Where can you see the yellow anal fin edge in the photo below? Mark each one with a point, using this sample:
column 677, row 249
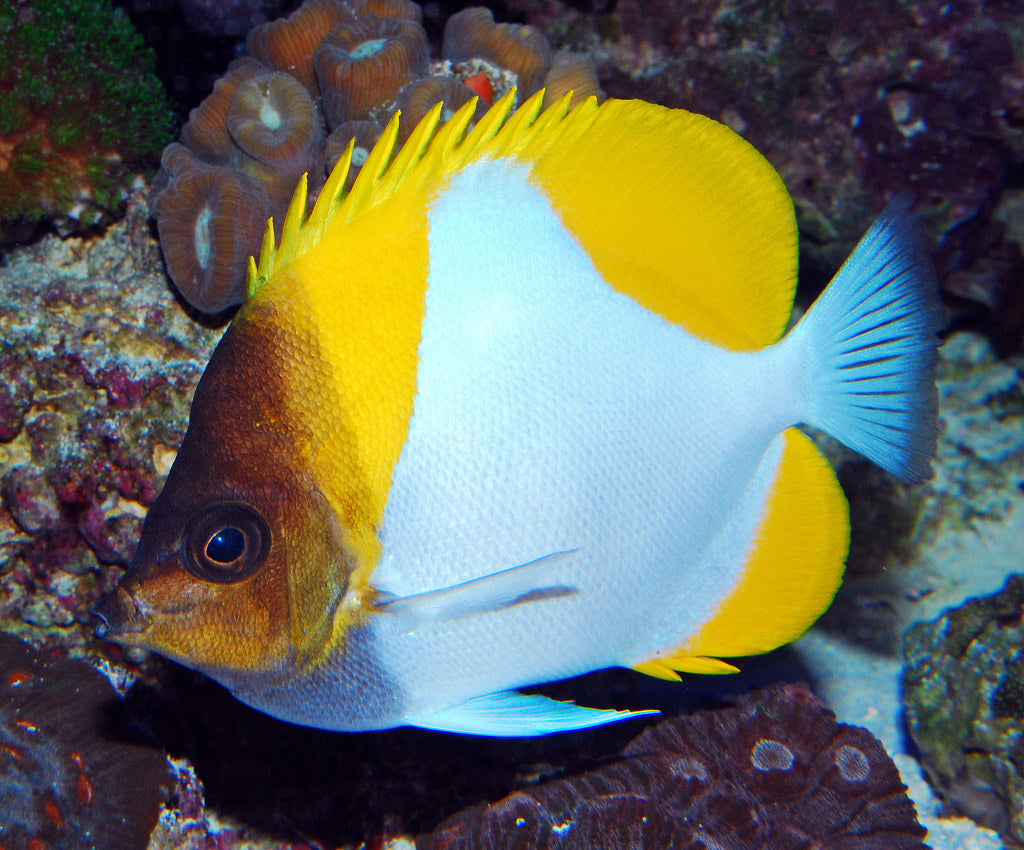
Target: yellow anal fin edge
column 794, row 569
column 669, row 667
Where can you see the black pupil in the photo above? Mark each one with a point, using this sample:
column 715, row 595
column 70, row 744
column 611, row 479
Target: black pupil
column 226, row 545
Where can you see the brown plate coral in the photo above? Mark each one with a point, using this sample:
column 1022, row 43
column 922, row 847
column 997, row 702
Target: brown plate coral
column 330, row 72
column 775, row 770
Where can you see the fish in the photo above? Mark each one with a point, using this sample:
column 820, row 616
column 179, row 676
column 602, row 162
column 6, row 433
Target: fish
column 526, row 403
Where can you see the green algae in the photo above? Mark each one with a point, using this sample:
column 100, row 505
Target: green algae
column 80, row 104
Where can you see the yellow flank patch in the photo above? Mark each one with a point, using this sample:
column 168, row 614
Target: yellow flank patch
column 794, row 570
column 357, row 292
column 365, row 286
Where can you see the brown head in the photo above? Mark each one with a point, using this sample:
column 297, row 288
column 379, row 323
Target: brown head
column 241, row 566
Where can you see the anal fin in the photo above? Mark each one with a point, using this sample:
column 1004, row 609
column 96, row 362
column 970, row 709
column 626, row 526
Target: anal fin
column 669, row 667
column 510, row 714
column 791, row 574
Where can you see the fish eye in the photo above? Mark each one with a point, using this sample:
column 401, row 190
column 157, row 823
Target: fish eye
column 226, row 542
column 226, row 545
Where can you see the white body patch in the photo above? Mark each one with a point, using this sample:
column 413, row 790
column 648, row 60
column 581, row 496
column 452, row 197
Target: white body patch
column 554, row 413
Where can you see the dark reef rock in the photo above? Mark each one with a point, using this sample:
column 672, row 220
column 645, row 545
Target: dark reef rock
column 964, row 700
column 67, row 780
column 776, row 770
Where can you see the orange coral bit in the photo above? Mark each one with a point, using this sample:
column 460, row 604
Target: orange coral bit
column 481, row 84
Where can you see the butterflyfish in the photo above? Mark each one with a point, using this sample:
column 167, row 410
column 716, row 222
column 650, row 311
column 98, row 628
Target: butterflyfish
column 521, row 405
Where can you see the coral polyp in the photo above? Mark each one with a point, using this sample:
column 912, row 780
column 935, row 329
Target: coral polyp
column 80, row 108
column 330, row 72
column 362, row 65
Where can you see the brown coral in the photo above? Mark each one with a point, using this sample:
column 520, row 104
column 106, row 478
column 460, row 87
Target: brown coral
column 272, row 121
column 407, row 10
column 362, row 65
column 776, row 770
column 420, row 96
column 208, row 218
column 206, row 131
column 365, row 133
column 330, row 65
column 288, row 44
column 520, row 48
column 571, row 72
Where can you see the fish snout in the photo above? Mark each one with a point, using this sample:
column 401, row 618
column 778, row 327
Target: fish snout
column 118, row 613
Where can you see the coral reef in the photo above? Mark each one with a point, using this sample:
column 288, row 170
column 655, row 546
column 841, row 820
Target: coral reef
column 66, row 782
column 964, row 700
column 929, row 98
column 97, row 367
column 774, row 770
column 330, row 72
column 80, row 112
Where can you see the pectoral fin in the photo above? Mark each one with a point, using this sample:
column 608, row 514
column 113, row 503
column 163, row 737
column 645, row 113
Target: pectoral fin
column 520, row 585
column 510, row 714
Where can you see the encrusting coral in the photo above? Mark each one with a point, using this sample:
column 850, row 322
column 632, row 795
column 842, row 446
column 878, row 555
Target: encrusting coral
column 329, row 73
column 80, row 112
column 776, row 770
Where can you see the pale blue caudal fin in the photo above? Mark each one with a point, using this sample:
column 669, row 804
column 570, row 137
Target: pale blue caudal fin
column 510, row 714
column 869, row 343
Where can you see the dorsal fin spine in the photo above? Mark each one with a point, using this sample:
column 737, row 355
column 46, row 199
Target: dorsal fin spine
column 432, row 150
column 258, row 276
column 331, row 193
column 369, row 175
column 292, row 221
column 412, row 151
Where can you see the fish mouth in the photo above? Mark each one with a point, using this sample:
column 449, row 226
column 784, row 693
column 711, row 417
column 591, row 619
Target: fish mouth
column 118, row 613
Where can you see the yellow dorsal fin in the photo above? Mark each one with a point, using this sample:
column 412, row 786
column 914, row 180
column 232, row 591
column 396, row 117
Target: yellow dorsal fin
column 791, row 576
column 674, row 209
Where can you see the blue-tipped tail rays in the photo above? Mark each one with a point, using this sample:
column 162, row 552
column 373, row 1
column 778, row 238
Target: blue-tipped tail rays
column 870, row 342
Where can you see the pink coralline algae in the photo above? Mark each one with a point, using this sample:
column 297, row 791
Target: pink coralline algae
column 775, row 770
column 66, row 781
column 97, row 367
